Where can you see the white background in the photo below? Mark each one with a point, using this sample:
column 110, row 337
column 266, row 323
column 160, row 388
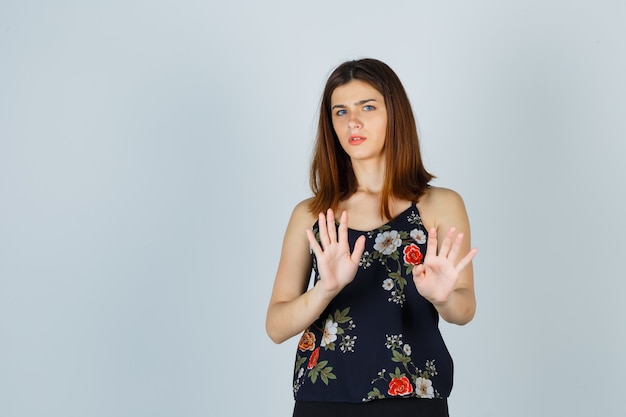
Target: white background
column 151, row 153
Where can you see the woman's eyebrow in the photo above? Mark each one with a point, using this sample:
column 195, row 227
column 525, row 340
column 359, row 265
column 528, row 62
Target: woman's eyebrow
column 358, row 103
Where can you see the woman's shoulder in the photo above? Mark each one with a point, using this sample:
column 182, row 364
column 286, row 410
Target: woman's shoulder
column 441, row 206
column 440, row 196
column 302, row 213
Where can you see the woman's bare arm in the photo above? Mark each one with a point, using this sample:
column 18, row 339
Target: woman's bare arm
column 446, row 278
column 292, row 308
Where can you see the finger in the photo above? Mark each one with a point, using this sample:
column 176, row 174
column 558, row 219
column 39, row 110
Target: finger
column 331, row 226
column 323, row 230
column 418, row 270
column 444, row 250
column 419, row 274
column 343, row 228
column 466, row 259
column 456, row 247
column 359, row 248
column 431, row 244
column 315, row 246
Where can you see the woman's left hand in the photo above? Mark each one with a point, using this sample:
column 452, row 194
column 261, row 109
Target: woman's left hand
column 437, row 277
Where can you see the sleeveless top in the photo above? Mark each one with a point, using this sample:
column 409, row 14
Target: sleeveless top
column 378, row 338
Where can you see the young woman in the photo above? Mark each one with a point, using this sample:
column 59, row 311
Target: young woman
column 389, row 255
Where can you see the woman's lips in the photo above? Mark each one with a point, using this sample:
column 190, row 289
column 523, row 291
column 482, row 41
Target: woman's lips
column 356, row 139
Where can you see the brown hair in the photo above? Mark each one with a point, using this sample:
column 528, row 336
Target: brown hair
column 332, row 178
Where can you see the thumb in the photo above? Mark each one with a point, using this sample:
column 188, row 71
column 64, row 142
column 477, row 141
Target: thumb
column 359, row 248
column 419, row 273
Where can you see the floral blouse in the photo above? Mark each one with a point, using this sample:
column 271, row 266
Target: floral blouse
column 378, row 338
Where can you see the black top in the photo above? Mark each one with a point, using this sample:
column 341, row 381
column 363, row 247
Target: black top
column 378, row 338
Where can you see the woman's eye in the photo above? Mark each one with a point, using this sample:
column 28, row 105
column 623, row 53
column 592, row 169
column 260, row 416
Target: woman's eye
column 340, row 112
column 369, row 107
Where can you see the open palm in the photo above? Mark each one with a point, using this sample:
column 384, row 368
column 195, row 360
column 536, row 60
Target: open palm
column 437, row 277
column 336, row 265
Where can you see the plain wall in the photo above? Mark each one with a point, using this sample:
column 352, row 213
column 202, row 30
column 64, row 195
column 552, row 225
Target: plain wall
column 151, row 153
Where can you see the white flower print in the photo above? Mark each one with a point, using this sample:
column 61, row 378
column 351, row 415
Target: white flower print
column 387, row 242
column 413, row 218
column 397, row 298
column 393, row 341
column 388, row 284
column 407, row 350
column 330, row 333
column 418, row 235
column 424, row 388
column 347, row 344
column 365, row 261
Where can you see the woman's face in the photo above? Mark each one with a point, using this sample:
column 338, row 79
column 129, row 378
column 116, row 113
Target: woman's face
column 359, row 118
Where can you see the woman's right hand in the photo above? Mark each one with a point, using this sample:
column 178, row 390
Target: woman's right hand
column 336, row 265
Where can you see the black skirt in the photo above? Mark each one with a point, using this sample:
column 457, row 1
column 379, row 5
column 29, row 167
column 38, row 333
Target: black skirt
column 397, row 407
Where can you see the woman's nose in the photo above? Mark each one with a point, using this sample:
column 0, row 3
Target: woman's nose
column 354, row 123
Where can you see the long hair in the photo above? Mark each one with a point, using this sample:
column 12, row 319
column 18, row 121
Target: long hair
column 332, row 178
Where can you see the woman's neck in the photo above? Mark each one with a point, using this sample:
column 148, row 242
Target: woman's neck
column 370, row 176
